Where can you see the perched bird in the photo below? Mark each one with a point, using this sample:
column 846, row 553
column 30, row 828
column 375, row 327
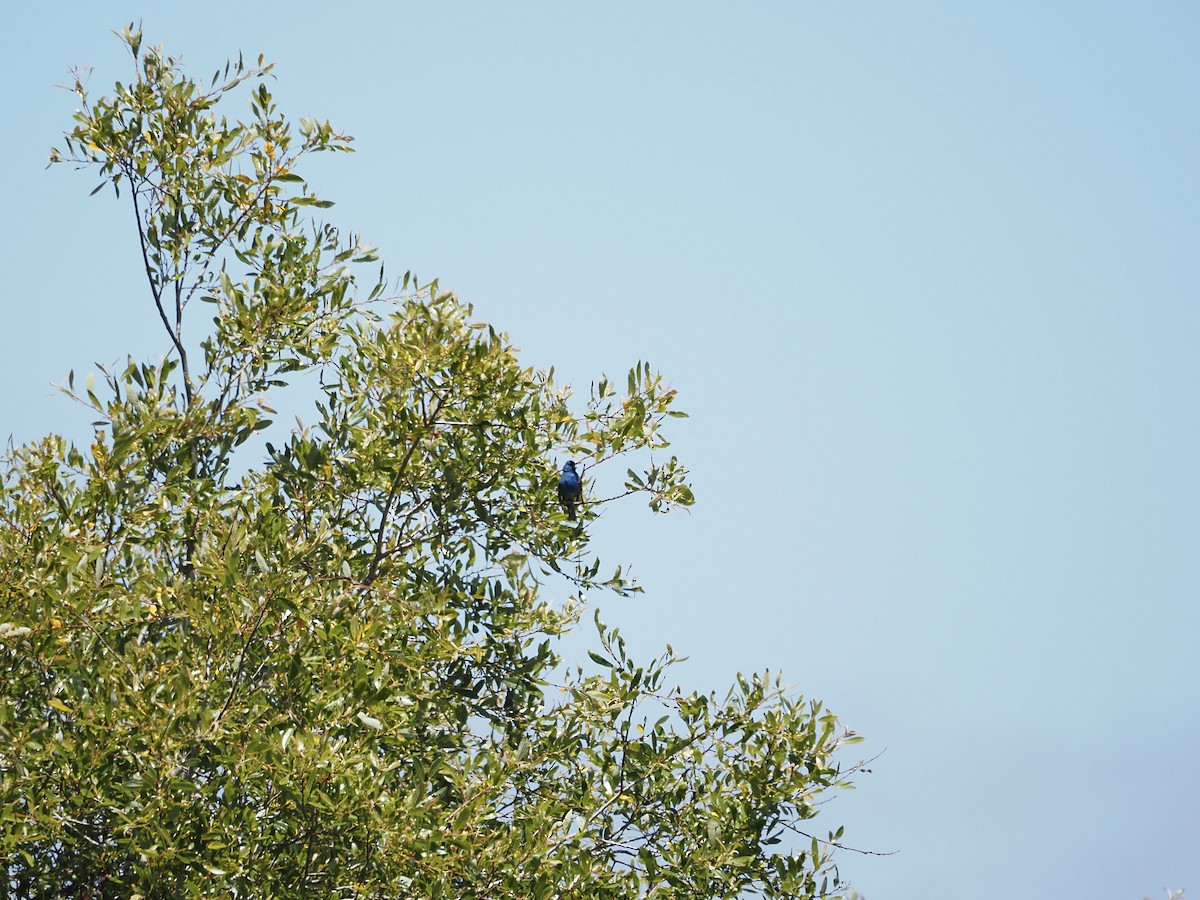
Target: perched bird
column 570, row 489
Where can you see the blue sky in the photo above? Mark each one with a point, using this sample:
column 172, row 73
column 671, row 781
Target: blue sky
column 927, row 279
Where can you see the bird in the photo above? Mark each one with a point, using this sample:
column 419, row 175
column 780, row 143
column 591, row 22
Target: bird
column 570, row 489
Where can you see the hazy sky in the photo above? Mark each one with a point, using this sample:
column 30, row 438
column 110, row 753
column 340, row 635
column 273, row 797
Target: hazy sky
column 927, row 278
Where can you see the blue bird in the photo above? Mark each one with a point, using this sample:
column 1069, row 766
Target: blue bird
column 570, row 489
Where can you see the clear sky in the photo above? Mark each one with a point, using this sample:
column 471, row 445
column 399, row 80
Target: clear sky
column 927, row 278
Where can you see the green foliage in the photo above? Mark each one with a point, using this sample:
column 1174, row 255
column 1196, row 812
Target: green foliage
column 334, row 674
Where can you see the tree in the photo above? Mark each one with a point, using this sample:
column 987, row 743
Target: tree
column 332, row 672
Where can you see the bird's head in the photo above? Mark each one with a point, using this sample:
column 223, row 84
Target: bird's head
column 570, row 466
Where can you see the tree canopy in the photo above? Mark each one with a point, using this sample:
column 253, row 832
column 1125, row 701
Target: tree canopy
column 330, row 667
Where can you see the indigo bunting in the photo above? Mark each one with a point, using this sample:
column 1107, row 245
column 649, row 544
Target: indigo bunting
column 570, row 489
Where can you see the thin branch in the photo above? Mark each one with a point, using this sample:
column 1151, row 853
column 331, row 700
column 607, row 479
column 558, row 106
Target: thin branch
column 813, row 837
column 156, row 292
column 237, row 675
column 373, row 569
column 489, row 423
column 628, row 493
